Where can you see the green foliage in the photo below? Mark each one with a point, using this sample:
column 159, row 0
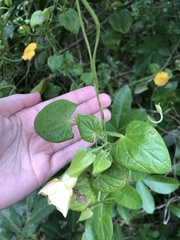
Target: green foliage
column 118, row 189
column 57, row 127
column 70, row 21
column 88, row 126
column 23, row 219
column 142, row 149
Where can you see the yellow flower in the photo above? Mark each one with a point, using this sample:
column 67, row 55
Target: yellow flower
column 29, row 51
column 161, row 78
column 59, row 193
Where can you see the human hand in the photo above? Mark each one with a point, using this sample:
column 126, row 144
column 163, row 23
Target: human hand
column 26, row 160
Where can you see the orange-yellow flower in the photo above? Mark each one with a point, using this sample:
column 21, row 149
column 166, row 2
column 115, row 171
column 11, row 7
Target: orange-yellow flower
column 29, row 51
column 161, row 78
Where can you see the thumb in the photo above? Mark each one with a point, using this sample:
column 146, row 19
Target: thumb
column 15, row 103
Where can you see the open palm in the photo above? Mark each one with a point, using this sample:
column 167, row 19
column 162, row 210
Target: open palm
column 26, row 160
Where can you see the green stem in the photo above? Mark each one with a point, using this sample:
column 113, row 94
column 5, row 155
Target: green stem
column 92, row 56
column 115, row 134
column 83, row 29
column 28, row 68
column 171, row 55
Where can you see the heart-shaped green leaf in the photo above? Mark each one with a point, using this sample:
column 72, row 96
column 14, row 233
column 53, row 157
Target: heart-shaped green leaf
column 70, row 21
column 142, row 149
column 111, row 180
column 55, row 62
column 88, row 126
column 53, row 122
column 121, row 22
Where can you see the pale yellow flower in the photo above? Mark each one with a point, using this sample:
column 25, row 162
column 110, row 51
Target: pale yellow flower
column 29, row 51
column 161, row 78
column 59, row 193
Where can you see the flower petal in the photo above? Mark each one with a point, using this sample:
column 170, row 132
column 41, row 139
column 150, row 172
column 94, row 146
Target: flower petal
column 161, row 78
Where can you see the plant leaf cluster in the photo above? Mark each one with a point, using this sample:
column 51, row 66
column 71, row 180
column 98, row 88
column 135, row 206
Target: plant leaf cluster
column 138, row 39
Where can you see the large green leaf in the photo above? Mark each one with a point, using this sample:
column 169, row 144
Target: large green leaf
column 10, row 220
column 70, row 21
column 161, row 184
column 88, row 126
column 111, row 180
column 40, row 211
column 99, row 226
column 53, row 122
column 5, row 235
column 146, row 196
column 132, row 115
column 121, row 22
column 142, row 149
column 83, row 195
column 130, row 198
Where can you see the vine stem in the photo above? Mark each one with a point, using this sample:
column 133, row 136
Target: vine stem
column 92, row 57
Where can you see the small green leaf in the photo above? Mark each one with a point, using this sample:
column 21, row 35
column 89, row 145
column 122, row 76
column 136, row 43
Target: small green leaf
column 121, row 22
column 161, row 184
column 52, row 91
column 37, row 18
column 175, row 209
column 8, row 2
column 142, row 63
column 83, row 195
column 153, row 68
column 111, row 39
column 55, row 62
column 111, row 180
column 8, row 31
column 130, row 198
column 88, row 126
column 87, row 213
column 81, row 160
column 146, row 196
column 125, row 213
column 122, row 104
column 70, row 21
column 40, row 87
column 140, row 88
column 142, row 149
column 102, row 162
column 46, row 12
column 87, row 78
column 53, row 122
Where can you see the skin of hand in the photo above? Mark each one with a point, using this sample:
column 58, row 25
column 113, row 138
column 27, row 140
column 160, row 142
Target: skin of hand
column 26, row 160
